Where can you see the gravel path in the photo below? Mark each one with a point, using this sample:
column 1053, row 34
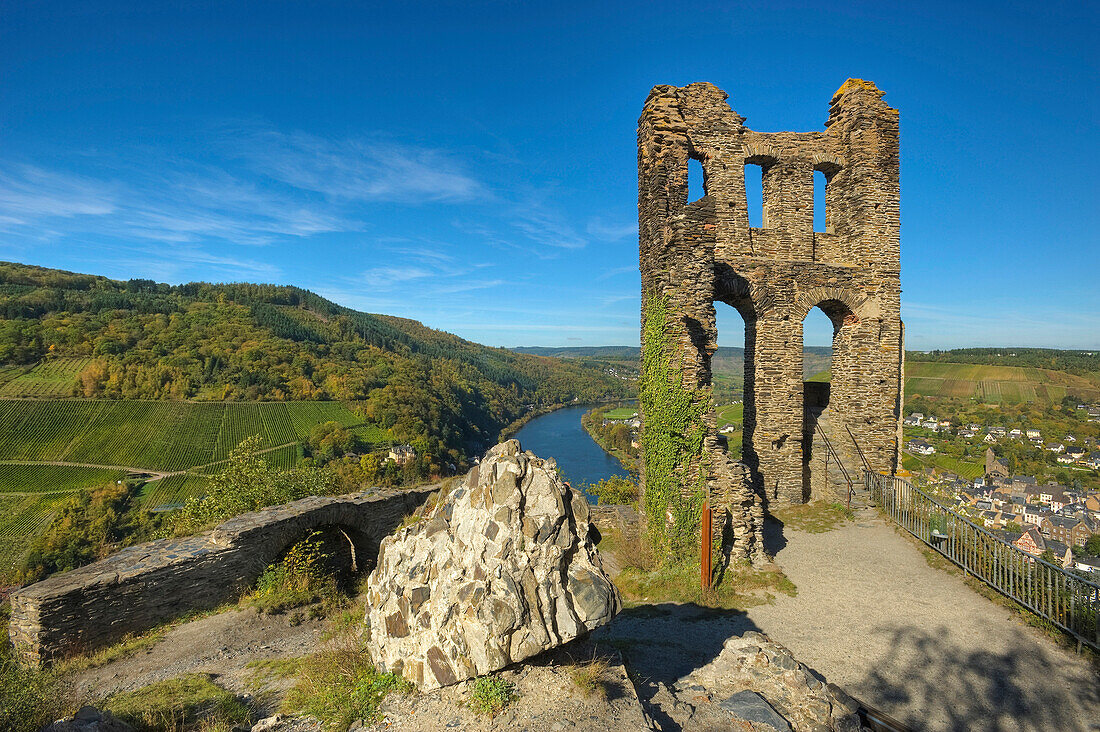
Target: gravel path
column 874, row 618
column 221, row 644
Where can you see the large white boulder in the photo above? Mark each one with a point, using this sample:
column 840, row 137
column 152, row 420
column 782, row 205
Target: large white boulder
column 500, row 569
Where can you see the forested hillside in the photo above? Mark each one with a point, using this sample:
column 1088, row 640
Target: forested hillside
column 141, row 339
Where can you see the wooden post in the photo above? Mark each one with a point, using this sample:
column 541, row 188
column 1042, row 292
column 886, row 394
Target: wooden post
column 705, row 530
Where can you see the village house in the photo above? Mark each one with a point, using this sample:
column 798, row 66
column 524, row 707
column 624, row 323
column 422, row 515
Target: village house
column 1087, row 564
column 1015, row 434
column 997, row 431
column 931, row 424
column 1071, row 531
column 1033, row 435
column 1093, row 461
column 920, row 447
column 402, row 454
column 1033, row 515
column 1065, row 459
column 1057, row 447
column 1034, row 543
column 1075, row 453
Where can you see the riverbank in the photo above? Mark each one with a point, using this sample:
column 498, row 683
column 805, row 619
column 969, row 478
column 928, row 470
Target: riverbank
column 626, row 454
column 560, row 435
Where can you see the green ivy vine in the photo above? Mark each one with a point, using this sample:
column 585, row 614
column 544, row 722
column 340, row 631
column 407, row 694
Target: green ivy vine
column 672, row 443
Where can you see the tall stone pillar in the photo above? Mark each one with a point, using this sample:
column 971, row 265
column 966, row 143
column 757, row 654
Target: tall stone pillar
column 777, row 406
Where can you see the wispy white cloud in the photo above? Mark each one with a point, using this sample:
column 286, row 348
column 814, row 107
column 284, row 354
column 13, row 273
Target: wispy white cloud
column 615, row 271
column 598, row 228
column 386, row 277
column 28, row 193
column 545, row 225
column 936, row 326
column 467, row 286
column 355, row 169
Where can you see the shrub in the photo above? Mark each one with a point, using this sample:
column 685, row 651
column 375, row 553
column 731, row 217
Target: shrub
column 249, row 483
column 29, row 698
column 614, row 491
column 491, row 694
column 88, row 527
column 299, row 579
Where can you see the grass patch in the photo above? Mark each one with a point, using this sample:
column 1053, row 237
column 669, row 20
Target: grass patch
column 736, row 587
column 815, row 518
column 590, row 677
column 491, row 694
column 191, row 701
column 340, row 684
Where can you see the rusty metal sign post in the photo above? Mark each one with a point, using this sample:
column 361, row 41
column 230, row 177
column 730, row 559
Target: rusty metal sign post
column 705, row 529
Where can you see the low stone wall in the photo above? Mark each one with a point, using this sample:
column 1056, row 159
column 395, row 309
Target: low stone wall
column 145, row 585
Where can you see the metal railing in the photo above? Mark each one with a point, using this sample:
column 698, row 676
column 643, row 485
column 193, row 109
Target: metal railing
column 840, row 464
column 1062, row 597
column 859, row 451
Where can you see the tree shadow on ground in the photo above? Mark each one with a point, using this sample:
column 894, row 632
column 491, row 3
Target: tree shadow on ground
column 967, row 689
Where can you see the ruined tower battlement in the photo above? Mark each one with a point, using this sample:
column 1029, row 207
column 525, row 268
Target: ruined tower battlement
column 699, row 253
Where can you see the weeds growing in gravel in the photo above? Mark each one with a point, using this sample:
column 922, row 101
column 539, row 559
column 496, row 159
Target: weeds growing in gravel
column 188, row 702
column 589, row 676
column 736, row 587
column 815, row 518
column 491, row 694
column 340, row 684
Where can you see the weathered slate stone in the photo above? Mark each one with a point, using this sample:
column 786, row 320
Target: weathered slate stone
column 141, row 586
column 513, row 573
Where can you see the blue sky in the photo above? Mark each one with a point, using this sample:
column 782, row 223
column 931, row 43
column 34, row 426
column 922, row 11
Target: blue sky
column 472, row 164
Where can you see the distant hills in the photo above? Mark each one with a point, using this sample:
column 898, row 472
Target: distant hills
column 140, row 339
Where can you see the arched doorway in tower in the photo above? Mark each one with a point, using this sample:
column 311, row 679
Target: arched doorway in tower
column 827, row 375
column 730, row 379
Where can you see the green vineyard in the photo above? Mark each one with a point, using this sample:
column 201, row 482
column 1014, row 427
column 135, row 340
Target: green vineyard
column 173, row 491
column 995, row 384
column 16, row 478
column 52, row 378
column 103, row 441
column 24, row 516
column 159, row 436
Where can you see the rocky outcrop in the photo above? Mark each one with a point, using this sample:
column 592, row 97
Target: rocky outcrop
column 757, row 680
column 498, row 570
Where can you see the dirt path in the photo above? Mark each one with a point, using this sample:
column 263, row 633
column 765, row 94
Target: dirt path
column 123, row 468
column 917, row 642
column 221, row 644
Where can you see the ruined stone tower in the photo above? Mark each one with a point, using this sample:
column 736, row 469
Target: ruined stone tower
column 696, row 254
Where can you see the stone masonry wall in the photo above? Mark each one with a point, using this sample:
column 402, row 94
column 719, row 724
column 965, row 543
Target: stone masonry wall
column 144, row 585
column 704, row 252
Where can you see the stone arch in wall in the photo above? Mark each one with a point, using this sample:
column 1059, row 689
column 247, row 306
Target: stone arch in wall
column 346, row 551
column 705, row 252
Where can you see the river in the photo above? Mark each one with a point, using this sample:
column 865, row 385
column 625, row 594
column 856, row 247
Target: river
column 560, row 435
